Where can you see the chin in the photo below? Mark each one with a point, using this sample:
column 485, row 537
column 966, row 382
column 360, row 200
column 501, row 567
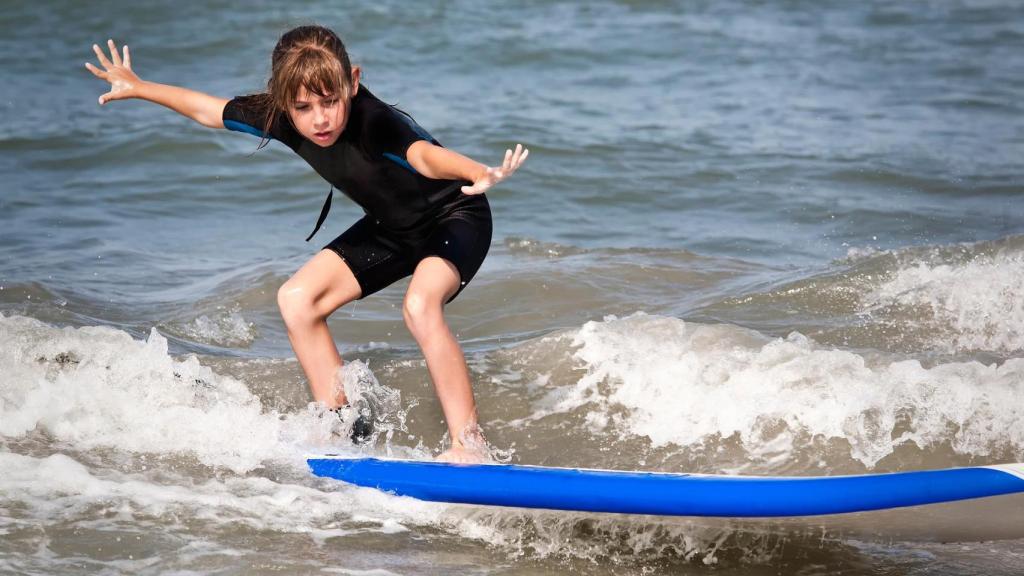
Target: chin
column 323, row 143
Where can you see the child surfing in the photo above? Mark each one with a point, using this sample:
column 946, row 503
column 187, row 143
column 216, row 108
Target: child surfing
column 426, row 214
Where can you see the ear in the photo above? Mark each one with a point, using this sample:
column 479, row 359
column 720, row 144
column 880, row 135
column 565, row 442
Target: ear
column 356, row 72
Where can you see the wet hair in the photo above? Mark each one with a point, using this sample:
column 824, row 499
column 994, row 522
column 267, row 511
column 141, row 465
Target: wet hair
column 311, row 57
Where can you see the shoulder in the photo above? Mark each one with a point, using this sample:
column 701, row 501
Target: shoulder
column 370, row 111
column 252, row 114
column 384, row 125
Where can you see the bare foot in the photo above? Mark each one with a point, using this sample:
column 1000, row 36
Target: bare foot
column 460, row 455
column 470, row 447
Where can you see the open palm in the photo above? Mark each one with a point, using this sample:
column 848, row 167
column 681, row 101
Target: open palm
column 495, row 174
column 117, row 71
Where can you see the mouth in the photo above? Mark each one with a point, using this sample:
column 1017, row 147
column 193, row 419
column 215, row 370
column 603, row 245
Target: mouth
column 323, row 136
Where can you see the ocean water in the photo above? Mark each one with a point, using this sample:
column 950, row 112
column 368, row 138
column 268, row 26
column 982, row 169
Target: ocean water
column 751, row 237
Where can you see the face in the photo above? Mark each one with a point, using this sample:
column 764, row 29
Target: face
column 321, row 119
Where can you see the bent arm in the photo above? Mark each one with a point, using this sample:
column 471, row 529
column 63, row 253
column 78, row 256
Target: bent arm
column 434, row 161
column 440, row 163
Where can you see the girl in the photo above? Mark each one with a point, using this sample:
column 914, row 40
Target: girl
column 426, row 214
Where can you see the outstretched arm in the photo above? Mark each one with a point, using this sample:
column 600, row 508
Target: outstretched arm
column 436, row 162
column 203, row 108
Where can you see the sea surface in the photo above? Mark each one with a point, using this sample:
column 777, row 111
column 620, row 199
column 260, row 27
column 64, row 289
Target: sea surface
column 780, row 237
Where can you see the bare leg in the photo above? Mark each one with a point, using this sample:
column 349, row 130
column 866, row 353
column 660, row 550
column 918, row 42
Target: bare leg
column 433, row 282
column 321, row 286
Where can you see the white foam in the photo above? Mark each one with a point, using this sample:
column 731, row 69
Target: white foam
column 228, row 328
column 96, row 387
column 353, row 572
column 973, row 305
column 59, row 486
column 684, row 383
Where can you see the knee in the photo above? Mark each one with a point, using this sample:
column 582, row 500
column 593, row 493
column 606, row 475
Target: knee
column 296, row 306
column 421, row 312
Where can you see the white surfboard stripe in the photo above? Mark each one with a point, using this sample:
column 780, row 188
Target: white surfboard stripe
column 1015, row 469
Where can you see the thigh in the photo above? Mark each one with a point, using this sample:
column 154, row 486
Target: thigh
column 325, row 281
column 375, row 262
column 435, row 280
column 463, row 239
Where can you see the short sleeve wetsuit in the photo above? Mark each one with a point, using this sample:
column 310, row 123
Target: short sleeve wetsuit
column 408, row 216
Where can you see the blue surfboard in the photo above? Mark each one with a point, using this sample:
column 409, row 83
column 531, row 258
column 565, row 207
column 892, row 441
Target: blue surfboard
column 586, row 490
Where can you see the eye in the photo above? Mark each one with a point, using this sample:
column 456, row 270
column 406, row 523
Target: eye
column 330, row 102
column 301, row 107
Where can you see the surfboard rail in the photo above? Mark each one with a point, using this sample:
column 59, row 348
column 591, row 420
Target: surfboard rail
column 669, row 494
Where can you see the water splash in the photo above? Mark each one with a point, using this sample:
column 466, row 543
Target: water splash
column 975, row 304
column 684, row 383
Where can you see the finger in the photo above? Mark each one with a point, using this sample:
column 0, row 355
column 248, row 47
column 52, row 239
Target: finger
column 112, row 95
column 96, row 71
column 127, row 58
column 113, row 52
column 508, row 159
column 482, row 185
column 516, row 155
column 101, row 56
column 522, row 158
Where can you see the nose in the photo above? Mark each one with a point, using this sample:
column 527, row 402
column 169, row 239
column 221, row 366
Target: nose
column 320, row 119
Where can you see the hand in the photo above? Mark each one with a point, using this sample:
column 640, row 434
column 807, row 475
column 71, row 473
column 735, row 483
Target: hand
column 492, row 175
column 123, row 82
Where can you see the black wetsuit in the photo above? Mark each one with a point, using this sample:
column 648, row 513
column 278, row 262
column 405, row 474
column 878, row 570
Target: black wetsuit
column 408, row 216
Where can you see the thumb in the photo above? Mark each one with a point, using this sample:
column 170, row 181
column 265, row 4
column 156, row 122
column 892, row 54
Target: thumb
column 112, row 95
column 474, row 189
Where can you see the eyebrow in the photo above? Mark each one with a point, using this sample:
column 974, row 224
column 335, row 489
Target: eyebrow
column 324, row 97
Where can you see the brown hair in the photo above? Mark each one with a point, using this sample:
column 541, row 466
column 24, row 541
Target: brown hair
column 312, row 57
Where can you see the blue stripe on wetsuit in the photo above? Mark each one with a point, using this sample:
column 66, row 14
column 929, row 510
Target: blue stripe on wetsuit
column 415, row 128
column 400, row 161
column 243, row 127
